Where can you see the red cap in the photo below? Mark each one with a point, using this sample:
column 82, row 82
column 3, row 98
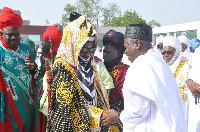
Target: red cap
column 8, row 18
column 56, row 35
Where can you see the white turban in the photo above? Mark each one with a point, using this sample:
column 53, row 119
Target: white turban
column 39, row 50
column 172, row 42
column 159, row 39
column 184, row 39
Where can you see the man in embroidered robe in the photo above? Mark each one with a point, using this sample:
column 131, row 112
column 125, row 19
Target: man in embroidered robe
column 17, row 66
column 78, row 96
column 179, row 66
column 113, row 52
column 151, row 103
column 40, row 89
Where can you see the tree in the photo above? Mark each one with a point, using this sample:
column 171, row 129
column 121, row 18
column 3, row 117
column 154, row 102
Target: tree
column 113, row 10
column 129, row 17
column 153, row 24
column 92, row 9
column 65, row 17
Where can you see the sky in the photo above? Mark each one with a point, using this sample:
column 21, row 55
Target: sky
column 166, row 12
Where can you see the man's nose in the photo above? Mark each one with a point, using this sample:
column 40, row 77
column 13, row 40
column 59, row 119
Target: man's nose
column 87, row 54
column 13, row 37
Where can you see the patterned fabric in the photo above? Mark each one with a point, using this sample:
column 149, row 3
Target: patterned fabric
column 69, row 111
column 181, row 75
column 40, row 118
column 85, row 78
column 118, row 74
column 17, row 105
column 116, row 95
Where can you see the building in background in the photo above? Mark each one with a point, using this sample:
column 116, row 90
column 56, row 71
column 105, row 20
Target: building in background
column 192, row 30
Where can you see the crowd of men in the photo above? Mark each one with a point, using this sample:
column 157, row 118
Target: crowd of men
column 68, row 86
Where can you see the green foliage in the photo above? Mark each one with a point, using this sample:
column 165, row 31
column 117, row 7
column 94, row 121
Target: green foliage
column 109, row 16
column 109, row 13
column 129, row 17
column 153, row 24
column 88, row 8
column 93, row 10
column 65, row 17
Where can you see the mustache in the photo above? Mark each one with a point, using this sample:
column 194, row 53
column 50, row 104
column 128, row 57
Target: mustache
column 168, row 58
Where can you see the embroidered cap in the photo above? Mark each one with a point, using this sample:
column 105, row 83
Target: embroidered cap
column 139, row 31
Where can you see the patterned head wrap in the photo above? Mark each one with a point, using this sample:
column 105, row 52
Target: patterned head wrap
column 75, row 35
column 194, row 43
column 56, row 33
column 114, row 39
column 139, row 31
column 8, row 18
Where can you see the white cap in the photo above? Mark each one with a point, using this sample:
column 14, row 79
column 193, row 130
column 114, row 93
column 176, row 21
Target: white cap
column 184, row 39
column 172, row 42
column 159, row 39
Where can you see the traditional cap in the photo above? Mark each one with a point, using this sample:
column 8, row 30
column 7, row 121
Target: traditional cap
column 159, row 39
column 194, row 43
column 73, row 16
column 172, row 42
column 184, row 39
column 114, row 39
column 8, row 18
column 56, row 33
column 30, row 43
column 139, row 31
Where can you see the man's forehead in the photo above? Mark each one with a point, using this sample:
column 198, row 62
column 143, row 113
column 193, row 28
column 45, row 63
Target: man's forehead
column 168, row 48
column 89, row 43
column 11, row 30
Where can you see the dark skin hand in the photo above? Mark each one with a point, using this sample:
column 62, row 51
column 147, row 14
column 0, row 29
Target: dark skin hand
column 30, row 64
column 194, row 87
column 109, row 117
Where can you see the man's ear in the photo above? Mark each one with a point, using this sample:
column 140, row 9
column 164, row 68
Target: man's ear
column 137, row 44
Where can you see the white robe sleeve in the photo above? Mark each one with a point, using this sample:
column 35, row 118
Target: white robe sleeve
column 137, row 110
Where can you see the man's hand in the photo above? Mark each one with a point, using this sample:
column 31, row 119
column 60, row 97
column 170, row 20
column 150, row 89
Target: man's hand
column 194, row 87
column 109, row 117
column 30, row 64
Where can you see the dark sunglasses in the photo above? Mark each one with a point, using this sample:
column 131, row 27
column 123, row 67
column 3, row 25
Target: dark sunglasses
column 168, row 52
column 159, row 46
column 85, row 50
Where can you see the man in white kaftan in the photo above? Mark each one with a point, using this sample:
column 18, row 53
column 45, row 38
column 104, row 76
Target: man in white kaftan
column 185, row 43
column 151, row 103
column 194, row 86
column 179, row 66
column 159, row 44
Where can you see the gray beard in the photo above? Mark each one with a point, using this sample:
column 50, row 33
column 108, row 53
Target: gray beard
column 171, row 62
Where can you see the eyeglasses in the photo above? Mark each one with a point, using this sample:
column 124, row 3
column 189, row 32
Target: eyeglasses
column 168, row 52
column 159, row 46
column 85, row 50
